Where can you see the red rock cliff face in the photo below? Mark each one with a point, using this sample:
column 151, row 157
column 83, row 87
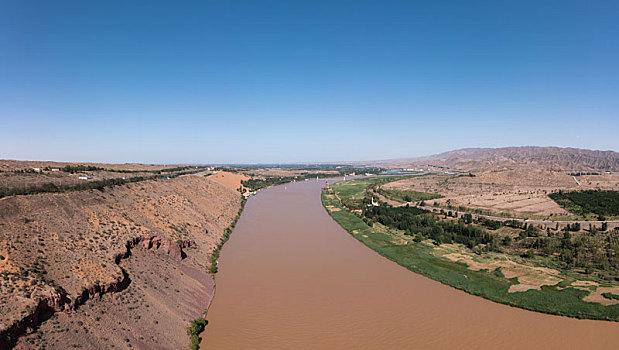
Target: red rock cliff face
column 61, row 250
column 166, row 246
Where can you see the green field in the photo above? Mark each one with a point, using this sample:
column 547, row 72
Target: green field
column 420, row 255
column 407, row 196
column 587, row 203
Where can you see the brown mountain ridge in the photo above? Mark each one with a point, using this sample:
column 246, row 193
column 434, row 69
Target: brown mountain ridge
column 547, row 158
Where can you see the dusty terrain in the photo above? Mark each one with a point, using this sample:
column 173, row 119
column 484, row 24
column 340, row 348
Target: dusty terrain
column 521, row 192
column 228, row 179
column 123, row 267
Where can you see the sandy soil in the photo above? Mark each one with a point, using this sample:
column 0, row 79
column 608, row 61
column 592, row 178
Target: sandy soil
column 230, row 180
column 529, row 277
column 332, row 208
column 597, row 297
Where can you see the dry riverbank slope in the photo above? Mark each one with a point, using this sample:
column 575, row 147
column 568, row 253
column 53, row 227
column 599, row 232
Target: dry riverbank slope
column 123, row 267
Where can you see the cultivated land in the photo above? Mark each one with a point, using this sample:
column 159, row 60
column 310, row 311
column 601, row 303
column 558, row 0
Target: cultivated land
column 511, row 265
column 36, row 177
column 121, row 266
column 521, row 192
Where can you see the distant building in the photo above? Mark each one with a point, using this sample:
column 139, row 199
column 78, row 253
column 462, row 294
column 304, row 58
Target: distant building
column 247, row 194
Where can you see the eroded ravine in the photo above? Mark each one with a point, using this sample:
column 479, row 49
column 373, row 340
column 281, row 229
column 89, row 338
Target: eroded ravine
column 290, row 277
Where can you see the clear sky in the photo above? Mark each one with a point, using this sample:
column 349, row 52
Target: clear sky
column 227, row 81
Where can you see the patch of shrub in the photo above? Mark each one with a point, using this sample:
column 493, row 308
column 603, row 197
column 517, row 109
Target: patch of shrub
column 610, row 296
column 194, row 330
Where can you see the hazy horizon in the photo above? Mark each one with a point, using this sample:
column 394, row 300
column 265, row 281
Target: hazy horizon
column 242, row 82
column 342, row 161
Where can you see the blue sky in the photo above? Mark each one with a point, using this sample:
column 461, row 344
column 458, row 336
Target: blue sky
column 303, row 81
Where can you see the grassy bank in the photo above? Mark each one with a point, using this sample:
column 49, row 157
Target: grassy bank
column 420, row 254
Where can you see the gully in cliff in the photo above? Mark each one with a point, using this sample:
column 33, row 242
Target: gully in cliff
column 60, row 301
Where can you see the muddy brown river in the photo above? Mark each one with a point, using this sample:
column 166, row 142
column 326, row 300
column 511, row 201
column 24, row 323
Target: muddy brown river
column 291, row 278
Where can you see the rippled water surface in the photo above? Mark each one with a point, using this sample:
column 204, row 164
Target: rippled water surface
column 291, row 278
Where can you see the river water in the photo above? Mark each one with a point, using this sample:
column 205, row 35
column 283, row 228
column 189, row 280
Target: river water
column 291, row 278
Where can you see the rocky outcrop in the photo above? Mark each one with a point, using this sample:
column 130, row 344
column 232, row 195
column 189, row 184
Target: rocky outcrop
column 44, row 310
column 60, row 301
column 62, row 249
column 164, row 245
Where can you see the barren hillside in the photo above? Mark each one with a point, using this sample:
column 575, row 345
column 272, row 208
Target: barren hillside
column 122, row 266
column 548, row 158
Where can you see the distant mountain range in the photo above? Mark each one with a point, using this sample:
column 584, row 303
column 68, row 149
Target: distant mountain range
column 548, row 158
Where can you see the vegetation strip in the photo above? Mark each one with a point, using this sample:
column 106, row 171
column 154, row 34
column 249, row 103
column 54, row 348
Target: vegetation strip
column 197, row 326
column 85, row 186
column 256, row 183
column 226, row 236
column 413, row 238
column 194, row 330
